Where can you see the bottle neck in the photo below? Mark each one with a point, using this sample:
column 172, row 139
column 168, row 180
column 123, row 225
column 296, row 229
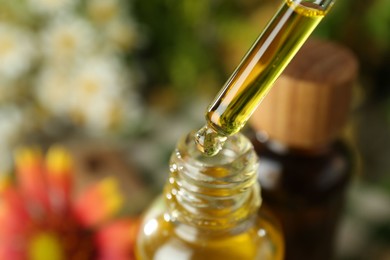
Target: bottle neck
column 213, row 193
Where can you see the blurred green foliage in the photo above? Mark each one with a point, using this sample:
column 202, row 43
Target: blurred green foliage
column 192, row 45
column 189, row 43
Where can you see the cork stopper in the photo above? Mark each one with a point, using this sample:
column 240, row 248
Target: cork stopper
column 309, row 103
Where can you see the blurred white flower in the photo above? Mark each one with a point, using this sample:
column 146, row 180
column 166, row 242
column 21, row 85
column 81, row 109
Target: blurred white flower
column 74, row 65
column 95, row 94
column 16, row 51
column 98, row 92
column 102, row 11
column 51, row 6
column 68, row 38
column 112, row 17
column 122, row 33
column 52, row 90
column 96, row 76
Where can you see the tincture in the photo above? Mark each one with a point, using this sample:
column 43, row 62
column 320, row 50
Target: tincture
column 257, row 72
column 210, row 208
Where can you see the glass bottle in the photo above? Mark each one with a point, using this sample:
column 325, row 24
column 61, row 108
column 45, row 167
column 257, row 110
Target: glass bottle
column 305, row 165
column 210, row 208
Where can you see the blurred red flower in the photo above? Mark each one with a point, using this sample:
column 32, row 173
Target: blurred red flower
column 41, row 220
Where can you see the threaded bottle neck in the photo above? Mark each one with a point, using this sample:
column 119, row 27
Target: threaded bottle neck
column 213, row 193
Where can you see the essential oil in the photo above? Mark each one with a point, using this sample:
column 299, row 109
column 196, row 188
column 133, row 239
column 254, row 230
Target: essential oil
column 259, row 69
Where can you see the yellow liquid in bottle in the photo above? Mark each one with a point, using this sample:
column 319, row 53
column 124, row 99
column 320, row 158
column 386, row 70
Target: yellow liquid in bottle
column 261, row 66
column 262, row 242
column 210, row 209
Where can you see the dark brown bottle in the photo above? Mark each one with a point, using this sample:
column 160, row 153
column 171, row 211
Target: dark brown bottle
column 304, row 166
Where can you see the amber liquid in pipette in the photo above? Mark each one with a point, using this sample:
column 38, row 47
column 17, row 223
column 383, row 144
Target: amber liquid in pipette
column 261, row 66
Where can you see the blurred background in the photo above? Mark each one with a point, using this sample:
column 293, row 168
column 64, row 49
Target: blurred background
column 118, row 82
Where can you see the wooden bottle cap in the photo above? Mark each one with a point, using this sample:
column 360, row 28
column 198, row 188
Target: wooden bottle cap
column 309, row 103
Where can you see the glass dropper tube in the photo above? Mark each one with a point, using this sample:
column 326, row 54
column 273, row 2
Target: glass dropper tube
column 266, row 59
